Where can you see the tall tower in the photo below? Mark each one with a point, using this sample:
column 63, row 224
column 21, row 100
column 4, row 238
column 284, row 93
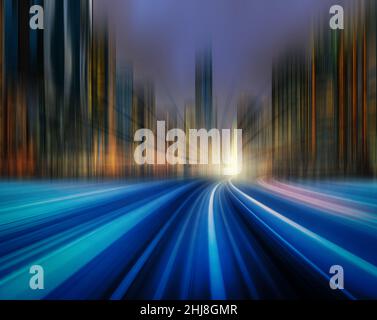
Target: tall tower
column 10, row 77
column 144, row 115
column 67, row 71
column 123, row 110
column 54, row 85
column 203, row 90
column 22, row 78
column 86, row 84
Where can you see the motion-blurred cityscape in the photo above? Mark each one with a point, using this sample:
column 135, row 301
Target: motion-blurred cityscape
column 73, row 95
column 68, row 109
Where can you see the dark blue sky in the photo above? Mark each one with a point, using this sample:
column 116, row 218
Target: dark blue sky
column 161, row 37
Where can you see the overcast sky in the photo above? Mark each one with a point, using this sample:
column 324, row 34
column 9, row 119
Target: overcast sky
column 160, row 38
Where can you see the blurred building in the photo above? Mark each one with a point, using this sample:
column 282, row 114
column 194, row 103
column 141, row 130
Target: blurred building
column 254, row 118
column 371, row 84
column 56, row 117
column 205, row 112
column 67, row 85
column 22, row 88
column 143, row 117
column 68, row 109
column 323, row 101
column 103, row 115
column 203, row 90
column 86, row 86
column 124, row 104
column 291, row 117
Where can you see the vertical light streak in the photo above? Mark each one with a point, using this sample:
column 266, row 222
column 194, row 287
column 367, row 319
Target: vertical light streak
column 341, row 98
column 364, row 134
column 314, row 103
column 216, row 277
column 354, row 93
